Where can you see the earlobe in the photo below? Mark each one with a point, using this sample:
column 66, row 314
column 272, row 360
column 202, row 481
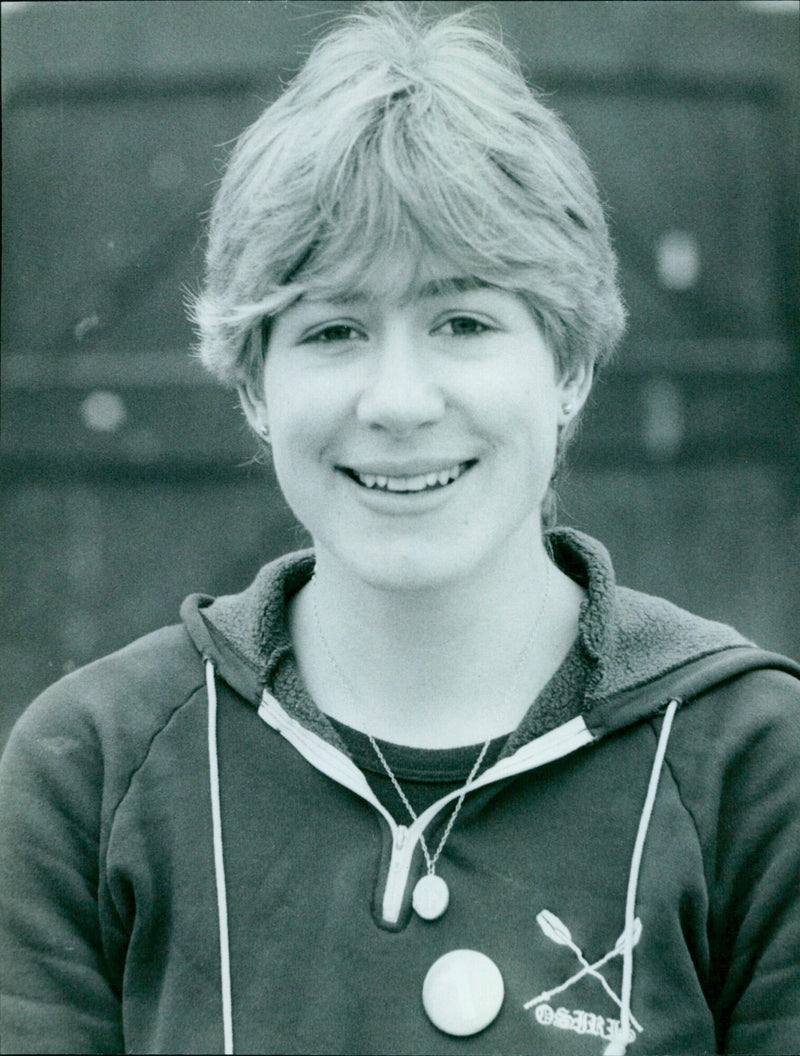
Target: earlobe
column 255, row 410
column 575, row 387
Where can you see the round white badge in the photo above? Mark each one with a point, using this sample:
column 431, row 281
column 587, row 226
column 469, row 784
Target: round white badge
column 463, row 992
column 431, row 896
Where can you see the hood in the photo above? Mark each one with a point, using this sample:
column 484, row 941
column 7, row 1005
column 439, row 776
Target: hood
column 641, row 648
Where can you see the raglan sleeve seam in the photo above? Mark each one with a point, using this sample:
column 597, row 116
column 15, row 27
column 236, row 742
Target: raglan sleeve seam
column 682, row 799
column 156, row 733
column 106, row 839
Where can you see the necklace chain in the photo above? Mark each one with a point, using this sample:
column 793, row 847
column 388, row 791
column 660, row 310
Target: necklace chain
column 430, row 861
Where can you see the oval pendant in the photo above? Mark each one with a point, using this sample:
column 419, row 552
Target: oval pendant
column 431, row 896
column 463, row 992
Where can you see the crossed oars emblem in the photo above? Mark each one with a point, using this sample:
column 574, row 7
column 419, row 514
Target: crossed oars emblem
column 557, row 931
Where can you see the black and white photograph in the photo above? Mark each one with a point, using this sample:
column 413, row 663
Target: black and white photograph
column 401, row 498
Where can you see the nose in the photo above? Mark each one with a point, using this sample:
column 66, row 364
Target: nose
column 400, row 393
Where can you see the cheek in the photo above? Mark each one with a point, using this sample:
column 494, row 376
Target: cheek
column 525, row 411
column 532, row 426
column 306, row 424
column 292, row 399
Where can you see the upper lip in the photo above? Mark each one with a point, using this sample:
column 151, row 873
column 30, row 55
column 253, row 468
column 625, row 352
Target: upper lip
column 413, row 468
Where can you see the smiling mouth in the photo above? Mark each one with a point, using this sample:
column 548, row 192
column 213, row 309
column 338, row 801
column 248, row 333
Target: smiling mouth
column 410, row 485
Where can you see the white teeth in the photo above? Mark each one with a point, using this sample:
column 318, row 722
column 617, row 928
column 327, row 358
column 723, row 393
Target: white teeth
column 410, row 484
column 406, row 484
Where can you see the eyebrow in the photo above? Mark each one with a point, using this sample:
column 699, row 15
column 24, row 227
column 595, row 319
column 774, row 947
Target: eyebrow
column 454, row 284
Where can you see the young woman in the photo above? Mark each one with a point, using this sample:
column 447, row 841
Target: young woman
column 438, row 785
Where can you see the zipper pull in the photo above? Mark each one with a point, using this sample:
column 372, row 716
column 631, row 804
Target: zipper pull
column 400, row 836
column 397, row 875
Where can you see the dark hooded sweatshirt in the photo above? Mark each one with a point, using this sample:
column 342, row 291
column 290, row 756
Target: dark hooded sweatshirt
column 192, row 859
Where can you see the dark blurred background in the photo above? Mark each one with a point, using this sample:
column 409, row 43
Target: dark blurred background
column 128, row 477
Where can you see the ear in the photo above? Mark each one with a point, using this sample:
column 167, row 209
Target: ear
column 255, row 409
column 574, row 388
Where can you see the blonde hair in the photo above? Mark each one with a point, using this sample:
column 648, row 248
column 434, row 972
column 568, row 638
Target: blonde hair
column 406, row 138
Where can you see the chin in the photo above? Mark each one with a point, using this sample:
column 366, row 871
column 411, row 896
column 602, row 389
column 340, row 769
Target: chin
column 415, row 567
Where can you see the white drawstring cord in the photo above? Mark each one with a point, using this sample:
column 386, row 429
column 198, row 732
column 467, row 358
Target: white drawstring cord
column 618, row 1047
column 219, row 864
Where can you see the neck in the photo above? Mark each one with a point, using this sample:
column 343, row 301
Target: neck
column 434, row 668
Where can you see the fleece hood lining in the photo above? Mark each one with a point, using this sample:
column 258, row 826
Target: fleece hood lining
column 628, row 639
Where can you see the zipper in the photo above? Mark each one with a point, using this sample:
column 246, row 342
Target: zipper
column 397, row 876
column 339, row 767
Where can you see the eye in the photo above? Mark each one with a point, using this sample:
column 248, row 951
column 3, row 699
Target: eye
column 333, row 332
column 462, row 326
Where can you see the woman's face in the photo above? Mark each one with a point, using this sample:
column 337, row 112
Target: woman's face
column 414, row 438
